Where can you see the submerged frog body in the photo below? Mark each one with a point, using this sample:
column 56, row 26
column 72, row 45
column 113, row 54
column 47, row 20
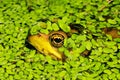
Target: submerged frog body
column 48, row 44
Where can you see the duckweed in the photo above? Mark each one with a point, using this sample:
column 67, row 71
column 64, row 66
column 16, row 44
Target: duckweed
column 19, row 17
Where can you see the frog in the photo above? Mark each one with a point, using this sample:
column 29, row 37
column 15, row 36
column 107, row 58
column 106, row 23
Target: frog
column 48, row 44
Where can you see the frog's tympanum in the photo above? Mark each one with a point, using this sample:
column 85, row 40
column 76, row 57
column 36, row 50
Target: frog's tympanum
column 49, row 44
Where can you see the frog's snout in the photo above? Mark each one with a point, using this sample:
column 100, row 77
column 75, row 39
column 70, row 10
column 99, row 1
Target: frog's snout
column 27, row 42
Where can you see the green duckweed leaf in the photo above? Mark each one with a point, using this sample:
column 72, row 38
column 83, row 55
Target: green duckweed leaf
column 80, row 38
column 107, row 71
column 42, row 25
column 118, row 76
column 112, row 21
column 107, row 50
column 44, row 31
column 49, row 26
column 88, row 45
column 63, row 26
column 55, row 27
column 117, row 39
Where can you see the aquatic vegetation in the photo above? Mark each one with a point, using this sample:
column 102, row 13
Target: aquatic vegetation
column 92, row 52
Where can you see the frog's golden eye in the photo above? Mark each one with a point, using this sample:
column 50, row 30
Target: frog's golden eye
column 57, row 39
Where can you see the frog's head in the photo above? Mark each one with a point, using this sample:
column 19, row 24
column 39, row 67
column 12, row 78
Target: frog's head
column 48, row 44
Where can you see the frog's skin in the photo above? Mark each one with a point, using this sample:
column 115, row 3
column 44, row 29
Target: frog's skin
column 45, row 44
column 113, row 32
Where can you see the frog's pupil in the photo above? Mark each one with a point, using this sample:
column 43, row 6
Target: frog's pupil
column 57, row 40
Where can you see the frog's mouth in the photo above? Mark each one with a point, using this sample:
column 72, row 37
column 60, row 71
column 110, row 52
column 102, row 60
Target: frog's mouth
column 49, row 44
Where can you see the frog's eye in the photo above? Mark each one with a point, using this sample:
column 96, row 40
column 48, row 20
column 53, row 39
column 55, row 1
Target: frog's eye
column 56, row 39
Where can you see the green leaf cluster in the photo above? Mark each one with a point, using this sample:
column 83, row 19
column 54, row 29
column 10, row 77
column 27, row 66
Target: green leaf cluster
column 18, row 17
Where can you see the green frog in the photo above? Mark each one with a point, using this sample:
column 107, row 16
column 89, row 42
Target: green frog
column 48, row 44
